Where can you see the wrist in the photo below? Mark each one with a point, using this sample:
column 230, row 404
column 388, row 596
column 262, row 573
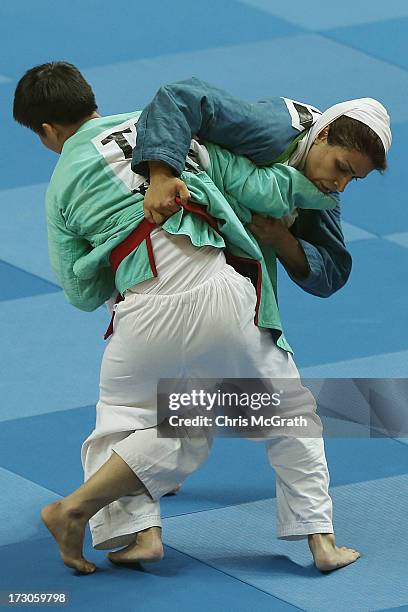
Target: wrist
column 159, row 170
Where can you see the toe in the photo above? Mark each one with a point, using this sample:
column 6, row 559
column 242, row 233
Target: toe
column 86, row 568
column 80, row 565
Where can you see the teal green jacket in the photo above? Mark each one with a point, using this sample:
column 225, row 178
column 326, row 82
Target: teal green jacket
column 94, row 201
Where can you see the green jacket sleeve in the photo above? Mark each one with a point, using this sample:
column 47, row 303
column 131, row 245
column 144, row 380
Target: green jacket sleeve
column 274, row 191
column 65, row 248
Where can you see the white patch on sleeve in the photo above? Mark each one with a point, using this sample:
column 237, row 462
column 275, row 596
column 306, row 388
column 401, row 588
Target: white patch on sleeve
column 303, row 115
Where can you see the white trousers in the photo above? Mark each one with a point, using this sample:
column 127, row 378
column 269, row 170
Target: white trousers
column 207, row 332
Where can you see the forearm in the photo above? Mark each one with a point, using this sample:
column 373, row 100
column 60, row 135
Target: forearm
column 65, row 252
column 166, row 126
column 193, row 107
column 322, row 240
column 287, row 248
column 317, row 269
column 292, row 256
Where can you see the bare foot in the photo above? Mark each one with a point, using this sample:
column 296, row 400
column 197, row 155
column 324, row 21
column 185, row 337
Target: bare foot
column 327, row 556
column 68, row 530
column 147, row 547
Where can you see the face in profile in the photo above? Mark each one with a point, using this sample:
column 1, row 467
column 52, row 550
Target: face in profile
column 331, row 168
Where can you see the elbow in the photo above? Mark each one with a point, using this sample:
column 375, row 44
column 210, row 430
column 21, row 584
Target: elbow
column 324, row 286
column 337, row 282
column 344, row 274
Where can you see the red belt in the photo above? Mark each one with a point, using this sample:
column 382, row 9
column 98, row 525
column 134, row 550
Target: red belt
column 141, row 233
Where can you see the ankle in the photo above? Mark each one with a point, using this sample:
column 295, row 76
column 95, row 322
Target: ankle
column 321, row 541
column 76, row 510
column 151, row 533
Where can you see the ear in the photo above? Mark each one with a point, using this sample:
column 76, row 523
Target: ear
column 49, row 130
column 322, row 136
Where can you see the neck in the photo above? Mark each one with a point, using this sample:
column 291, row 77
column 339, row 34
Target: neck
column 70, row 130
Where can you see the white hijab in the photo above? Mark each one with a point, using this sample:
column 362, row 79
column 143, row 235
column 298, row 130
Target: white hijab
column 367, row 110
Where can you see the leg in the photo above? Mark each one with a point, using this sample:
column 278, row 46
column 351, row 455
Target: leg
column 118, row 523
column 161, row 463
column 66, row 519
column 304, row 506
column 302, row 481
column 128, row 380
column 302, row 478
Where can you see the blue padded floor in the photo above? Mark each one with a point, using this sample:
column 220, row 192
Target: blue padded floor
column 352, row 232
column 240, row 542
column 386, row 40
column 384, row 365
column 222, row 485
column 237, row 68
column 25, row 243
column 50, row 352
column 20, row 518
column 16, row 283
column 365, row 330
column 321, row 14
column 401, row 239
column 181, row 579
column 42, row 41
column 53, row 355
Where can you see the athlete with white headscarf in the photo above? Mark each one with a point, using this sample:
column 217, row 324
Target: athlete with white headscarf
column 332, row 161
column 367, row 111
column 345, row 142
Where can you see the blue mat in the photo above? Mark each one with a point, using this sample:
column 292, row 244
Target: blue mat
column 347, row 327
column 25, row 243
column 386, row 40
column 256, row 78
column 240, row 542
column 180, row 579
column 16, row 283
column 352, row 233
column 130, row 33
column 320, row 53
column 321, row 14
column 399, row 238
column 20, row 517
column 53, row 355
column 377, row 366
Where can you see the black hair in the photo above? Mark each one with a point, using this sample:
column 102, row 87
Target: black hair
column 55, row 92
column 353, row 134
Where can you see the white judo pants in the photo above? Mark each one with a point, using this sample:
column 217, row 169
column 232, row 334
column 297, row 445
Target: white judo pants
column 207, row 332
